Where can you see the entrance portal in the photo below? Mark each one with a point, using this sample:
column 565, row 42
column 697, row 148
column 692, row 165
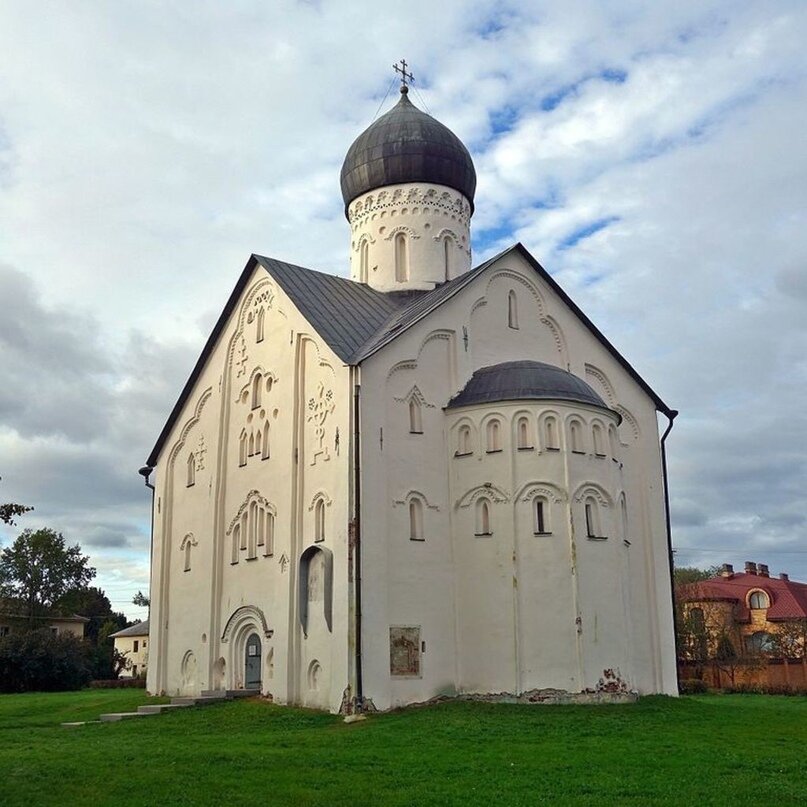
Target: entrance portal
column 252, row 663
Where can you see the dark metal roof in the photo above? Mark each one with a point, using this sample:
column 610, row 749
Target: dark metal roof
column 356, row 321
column 139, row 629
column 524, row 380
column 407, row 145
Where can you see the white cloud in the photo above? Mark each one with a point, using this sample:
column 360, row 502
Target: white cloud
column 146, row 150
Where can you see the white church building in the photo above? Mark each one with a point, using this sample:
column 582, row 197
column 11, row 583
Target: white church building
column 428, row 479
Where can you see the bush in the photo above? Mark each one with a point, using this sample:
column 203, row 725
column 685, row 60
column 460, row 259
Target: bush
column 42, row 661
column 765, row 689
column 119, row 683
column 692, row 686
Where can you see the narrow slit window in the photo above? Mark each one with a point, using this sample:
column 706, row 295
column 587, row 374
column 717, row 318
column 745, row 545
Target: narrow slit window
column 364, row 259
column 551, row 433
column 401, row 258
column 464, row 440
column 188, row 545
column 253, row 531
column 576, row 437
column 265, row 446
column 261, row 536
column 624, row 514
column 236, row 543
column 415, row 520
column 244, row 532
column 319, row 521
column 269, row 542
column 447, row 257
column 512, row 311
column 259, row 325
column 415, row 421
column 191, row 469
column 599, row 447
column 483, row 517
column 257, row 388
column 613, row 440
column 540, row 516
column 251, row 450
column 242, row 449
column 524, row 436
column 494, row 436
column 593, row 527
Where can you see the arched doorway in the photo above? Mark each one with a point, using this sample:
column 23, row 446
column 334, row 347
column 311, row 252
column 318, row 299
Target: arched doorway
column 252, row 662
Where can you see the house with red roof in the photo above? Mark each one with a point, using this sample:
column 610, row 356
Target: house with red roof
column 758, row 613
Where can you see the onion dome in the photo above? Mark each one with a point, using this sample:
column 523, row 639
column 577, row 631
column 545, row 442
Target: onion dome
column 407, row 145
column 525, row 380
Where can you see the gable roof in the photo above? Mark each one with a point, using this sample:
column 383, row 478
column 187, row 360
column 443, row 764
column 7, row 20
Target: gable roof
column 139, row 629
column 788, row 598
column 356, row 321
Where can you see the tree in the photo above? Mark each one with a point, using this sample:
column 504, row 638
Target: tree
column 141, row 599
column 38, row 660
column 38, row 568
column 9, row 511
column 94, row 604
column 692, row 574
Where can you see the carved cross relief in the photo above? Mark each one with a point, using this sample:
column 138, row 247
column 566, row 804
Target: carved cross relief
column 319, row 407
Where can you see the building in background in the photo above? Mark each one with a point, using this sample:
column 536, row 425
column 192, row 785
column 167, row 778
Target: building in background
column 12, row 621
column 428, row 479
column 132, row 642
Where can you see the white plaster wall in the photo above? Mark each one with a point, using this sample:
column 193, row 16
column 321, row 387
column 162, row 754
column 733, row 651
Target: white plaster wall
column 459, row 589
column 308, row 401
column 429, row 216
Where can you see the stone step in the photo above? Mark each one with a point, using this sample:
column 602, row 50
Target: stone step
column 200, row 701
column 112, row 717
column 242, row 693
column 156, row 709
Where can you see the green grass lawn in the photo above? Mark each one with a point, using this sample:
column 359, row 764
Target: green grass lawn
column 699, row 750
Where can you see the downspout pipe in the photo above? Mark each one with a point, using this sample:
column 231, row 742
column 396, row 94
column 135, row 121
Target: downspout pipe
column 671, row 415
column 146, row 472
column 357, row 542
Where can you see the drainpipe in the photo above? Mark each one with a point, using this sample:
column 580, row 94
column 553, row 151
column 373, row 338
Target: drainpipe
column 145, row 472
column 671, row 415
column 357, row 543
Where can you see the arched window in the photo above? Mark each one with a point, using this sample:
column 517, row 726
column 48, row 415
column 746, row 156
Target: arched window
column 319, row 521
column 269, row 535
column 259, row 326
column 494, row 436
column 464, row 440
column 191, row 469
column 415, row 422
column 592, row 518
column 244, row 532
column 186, row 547
column 236, row 543
column 576, row 434
column 758, row 599
column 524, row 433
column 364, row 259
column 261, row 528
column 483, row 517
column 540, row 512
column 512, row 311
column 415, row 520
column 697, row 620
column 401, row 258
column 551, row 434
column 596, row 433
column 265, row 446
column 242, row 449
column 257, row 386
column 447, row 257
column 251, row 450
column 253, row 531
column 613, row 441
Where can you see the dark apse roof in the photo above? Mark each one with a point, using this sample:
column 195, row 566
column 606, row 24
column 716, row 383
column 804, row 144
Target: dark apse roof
column 407, row 145
column 357, row 321
column 524, row 380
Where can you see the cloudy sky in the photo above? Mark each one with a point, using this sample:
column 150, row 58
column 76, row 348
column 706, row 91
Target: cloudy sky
column 652, row 156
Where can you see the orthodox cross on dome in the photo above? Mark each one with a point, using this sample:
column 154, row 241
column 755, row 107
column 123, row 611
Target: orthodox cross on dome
column 404, row 75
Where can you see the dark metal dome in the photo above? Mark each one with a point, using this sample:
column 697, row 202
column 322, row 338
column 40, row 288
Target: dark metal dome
column 525, row 380
column 407, row 145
